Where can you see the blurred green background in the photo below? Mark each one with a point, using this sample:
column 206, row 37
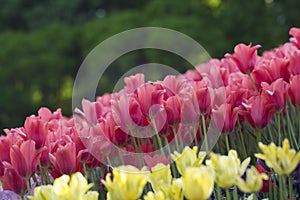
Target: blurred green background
column 43, row 42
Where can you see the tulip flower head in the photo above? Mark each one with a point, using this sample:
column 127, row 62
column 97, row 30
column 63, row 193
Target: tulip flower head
column 160, row 177
column 295, row 32
column 66, row 188
column 294, row 92
column 198, row 182
column 128, row 183
column 154, row 196
column 245, row 57
column 253, row 182
column 163, row 185
column 24, row 158
column 228, row 168
column 188, row 158
column 282, row 159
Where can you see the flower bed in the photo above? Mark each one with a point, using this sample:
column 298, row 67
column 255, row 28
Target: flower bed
column 251, row 100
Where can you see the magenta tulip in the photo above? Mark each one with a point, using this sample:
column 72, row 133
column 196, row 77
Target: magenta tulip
column 244, row 57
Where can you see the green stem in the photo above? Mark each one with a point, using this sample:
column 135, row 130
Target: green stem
column 195, row 135
column 275, row 190
column 258, row 136
column 136, row 147
column 243, row 144
column 42, row 173
column 172, row 166
column 227, row 194
column 180, row 139
column 121, row 156
column 204, row 130
column 241, row 138
column 235, row 194
column 157, row 136
column 34, row 179
column 291, row 129
column 93, row 179
column 218, row 191
column 175, row 137
column 277, row 117
column 252, row 81
column 108, row 160
column 227, row 142
column 270, row 193
column 282, row 187
column 270, row 132
column 84, row 170
column 290, row 187
column 28, row 185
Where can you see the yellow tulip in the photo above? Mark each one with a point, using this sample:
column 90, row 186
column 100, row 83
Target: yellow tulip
column 198, row 182
column 66, row 188
column 154, row 196
column 91, row 195
column 253, row 182
column 61, row 186
column 176, row 193
column 128, row 183
column 282, row 159
column 163, row 185
column 44, row 192
column 227, row 168
column 188, row 158
column 160, row 177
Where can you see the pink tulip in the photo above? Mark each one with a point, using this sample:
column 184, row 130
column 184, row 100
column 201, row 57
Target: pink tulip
column 261, row 74
column 5, row 145
column 294, row 64
column 126, row 113
column 189, row 110
column 173, row 108
column 148, row 95
column 229, row 64
column 24, row 158
column 96, row 141
column 238, row 80
column 135, row 112
column 235, row 97
column 278, row 68
column 295, row 32
column 176, row 86
column 13, row 181
column 133, row 82
column 258, row 111
column 276, row 93
column 147, row 147
column 91, row 111
column 64, row 159
column 46, row 115
column 36, row 130
column 192, row 75
column 294, row 91
column 225, row 117
column 119, row 136
column 245, row 57
column 204, row 101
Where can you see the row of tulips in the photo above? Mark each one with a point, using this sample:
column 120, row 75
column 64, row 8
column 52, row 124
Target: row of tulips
column 247, row 97
column 201, row 177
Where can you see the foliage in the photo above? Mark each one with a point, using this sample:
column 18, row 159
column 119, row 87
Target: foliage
column 44, row 42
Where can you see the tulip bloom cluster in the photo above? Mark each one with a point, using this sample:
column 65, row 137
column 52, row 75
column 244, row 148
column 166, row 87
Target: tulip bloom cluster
column 247, row 97
column 201, row 177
